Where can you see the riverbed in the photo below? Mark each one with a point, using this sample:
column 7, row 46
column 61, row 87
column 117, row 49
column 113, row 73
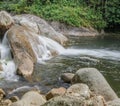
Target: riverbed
column 102, row 53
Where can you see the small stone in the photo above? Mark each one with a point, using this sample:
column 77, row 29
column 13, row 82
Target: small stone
column 67, row 77
column 79, row 90
column 14, row 99
column 55, row 92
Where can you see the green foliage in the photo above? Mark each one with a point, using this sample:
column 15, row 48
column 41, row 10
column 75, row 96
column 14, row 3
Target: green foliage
column 87, row 13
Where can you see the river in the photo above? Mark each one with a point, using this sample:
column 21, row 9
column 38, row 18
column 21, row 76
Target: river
column 102, row 53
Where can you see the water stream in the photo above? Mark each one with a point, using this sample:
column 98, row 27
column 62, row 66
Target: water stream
column 6, row 62
column 101, row 53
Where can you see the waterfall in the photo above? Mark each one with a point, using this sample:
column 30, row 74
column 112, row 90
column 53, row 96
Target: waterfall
column 98, row 53
column 8, row 65
column 44, row 47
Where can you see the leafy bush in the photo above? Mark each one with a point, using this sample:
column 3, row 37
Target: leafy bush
column 87, row 13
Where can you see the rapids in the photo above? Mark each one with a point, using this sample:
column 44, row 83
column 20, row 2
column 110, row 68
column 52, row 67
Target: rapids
column 80, row 52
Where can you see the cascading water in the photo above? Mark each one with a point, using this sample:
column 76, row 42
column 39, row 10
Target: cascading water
column 45, row 48
column 69, row 59
column 97, row 53
column 6, row 61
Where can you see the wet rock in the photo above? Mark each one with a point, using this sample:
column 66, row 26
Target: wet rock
column 5, row 22
column 79, row 90
column 67, row 77
column 2, row 94
column 44, row 28
column 55, row 92
column 96, row 82
column 115, row 102
column 23, row 53
column 31, row 98
column 64, row 101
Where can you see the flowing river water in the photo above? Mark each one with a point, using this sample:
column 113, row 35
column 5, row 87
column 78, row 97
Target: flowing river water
column 102, row 53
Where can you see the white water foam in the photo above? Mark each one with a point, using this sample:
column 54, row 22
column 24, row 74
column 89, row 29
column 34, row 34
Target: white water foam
column 8, row 65
column 98, row 53
column 44, row 47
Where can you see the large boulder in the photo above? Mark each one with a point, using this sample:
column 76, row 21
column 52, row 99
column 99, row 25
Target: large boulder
column 77, row 95
column 40, row 26
column 31, row 98
column 64, row 101
column 96, row 82
column 22, row 50
column 75, row 101
column 71, row 30
column 5, row 22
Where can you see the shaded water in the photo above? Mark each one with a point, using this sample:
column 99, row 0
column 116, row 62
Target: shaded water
column 101, row 53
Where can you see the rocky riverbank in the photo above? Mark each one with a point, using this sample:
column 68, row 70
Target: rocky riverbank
column 88, row 88
column 73, row 31
column 30, row 40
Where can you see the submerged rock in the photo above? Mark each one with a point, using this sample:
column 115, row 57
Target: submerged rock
column 40, row 26
column 5, row 22
column 96, row 82
column 67, row 77
column 55, row 92
column 31, row 98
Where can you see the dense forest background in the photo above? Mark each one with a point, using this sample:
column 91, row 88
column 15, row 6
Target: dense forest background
column 99, row 14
